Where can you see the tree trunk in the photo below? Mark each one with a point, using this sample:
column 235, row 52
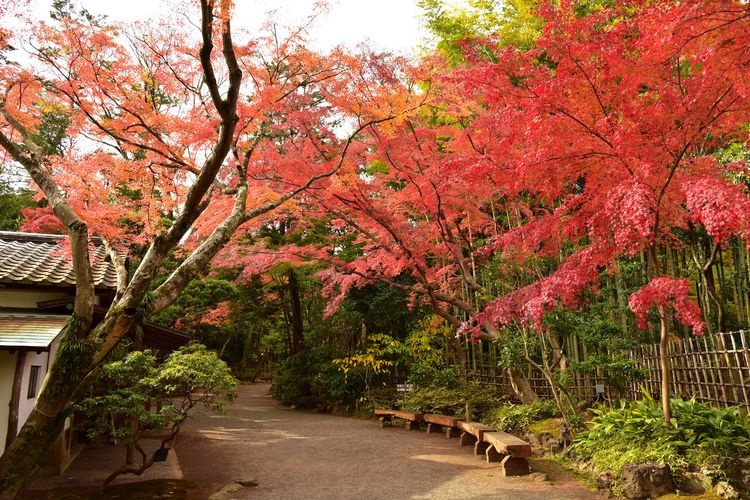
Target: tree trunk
column 665, row 365
column 559, row 360
column 296, row 314
column 522, row 389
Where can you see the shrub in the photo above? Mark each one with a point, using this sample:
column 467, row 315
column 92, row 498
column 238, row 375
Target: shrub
column 480, row 398
column 306, row 381
column 425, row 375
column 516, row 418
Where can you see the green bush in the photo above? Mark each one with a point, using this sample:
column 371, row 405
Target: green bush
column 125, row 388
column 516, row 418
column 425, row 375
column 635, row 432
column 480, row 398
column 306, row 381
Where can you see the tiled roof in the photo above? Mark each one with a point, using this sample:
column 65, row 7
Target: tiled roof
column 38, row 259
column 29, row 331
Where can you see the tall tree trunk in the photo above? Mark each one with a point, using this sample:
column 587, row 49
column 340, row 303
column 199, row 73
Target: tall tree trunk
column 622, row 301
column 739, row 282
column 665, row 365
column 296, row 314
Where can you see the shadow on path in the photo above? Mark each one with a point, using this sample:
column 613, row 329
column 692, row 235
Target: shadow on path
column 299, row 455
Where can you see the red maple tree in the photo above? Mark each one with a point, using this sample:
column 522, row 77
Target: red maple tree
column 600, row 143
column 169, row 136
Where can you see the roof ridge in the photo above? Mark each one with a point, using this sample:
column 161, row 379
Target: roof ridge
column 41, row 237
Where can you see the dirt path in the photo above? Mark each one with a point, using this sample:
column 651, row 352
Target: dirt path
column 298, row 455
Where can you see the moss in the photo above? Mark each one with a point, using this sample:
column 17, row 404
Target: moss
column 559, row 469
column 551, row 426
column 710, row 495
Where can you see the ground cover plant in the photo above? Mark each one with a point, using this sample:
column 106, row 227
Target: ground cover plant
column 697, row 436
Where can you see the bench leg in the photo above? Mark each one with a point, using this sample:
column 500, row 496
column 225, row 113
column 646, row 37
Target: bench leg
column 411, row 425
column 384, row 420
column 480, row 448
column 467, row 439
column 451, row 432
column 432, row 428
column 514, row 466
column 493, row 455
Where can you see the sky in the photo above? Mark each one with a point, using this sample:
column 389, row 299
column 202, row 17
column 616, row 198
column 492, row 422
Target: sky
column 392, row 25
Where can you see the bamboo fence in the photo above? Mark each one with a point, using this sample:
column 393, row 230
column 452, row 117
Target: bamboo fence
column 714, row 369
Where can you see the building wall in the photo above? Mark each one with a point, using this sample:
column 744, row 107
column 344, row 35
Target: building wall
column 27, row 299
column 26, row 404
column 7, row 372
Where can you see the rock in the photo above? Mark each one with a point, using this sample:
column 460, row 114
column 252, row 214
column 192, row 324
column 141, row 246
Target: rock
column 695, row 483
column 737, row 470
column 604, row 480
column 725, row 490
column 648, row 480
column 226, row 493
column 556, row 445
column 539, row 438
column 539, row 477
column 247, row 482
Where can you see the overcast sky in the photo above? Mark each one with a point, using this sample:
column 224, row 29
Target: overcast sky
column 387, row 24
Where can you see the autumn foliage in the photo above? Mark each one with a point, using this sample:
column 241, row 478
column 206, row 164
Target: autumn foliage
column 598, row 143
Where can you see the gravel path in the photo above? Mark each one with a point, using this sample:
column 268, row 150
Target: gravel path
column 299, row 455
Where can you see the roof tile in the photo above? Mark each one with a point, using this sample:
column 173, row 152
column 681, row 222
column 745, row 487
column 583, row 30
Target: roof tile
column 38, row 259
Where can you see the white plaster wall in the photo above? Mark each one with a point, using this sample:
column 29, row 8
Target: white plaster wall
column 27, row 298
column 7, row 372
column 25, row 404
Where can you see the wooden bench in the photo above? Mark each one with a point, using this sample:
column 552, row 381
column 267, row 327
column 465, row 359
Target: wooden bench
column 473, row 434
column 510, row 451
column 437, row 423
column 412, row 419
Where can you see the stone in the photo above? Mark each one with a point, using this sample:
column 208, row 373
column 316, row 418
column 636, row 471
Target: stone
column 248, row 482
column 539, row 438
column 725, row 490
column 604, row 480
column 539, row 477
column 556, row 445
column 649, row 480
column 226, row 493
column 695, row 483
column 514, row 466
column 737, row 470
